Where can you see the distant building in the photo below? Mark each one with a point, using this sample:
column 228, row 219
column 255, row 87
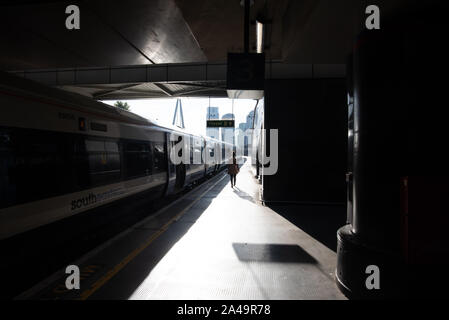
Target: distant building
column 227, row 134
column 249, row 120
column 240, row 139
column 213, row 114
column 244, row 143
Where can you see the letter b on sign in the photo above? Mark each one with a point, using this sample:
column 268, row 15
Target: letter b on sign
column 373, row 280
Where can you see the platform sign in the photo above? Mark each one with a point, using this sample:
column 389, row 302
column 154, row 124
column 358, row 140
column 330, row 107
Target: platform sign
column 246, row 71
column 245, row 75
column 220, row 123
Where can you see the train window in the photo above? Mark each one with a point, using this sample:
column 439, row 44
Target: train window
column 79, row 164
column 196, row 151
column 111, row 146
column 33, row 165
column 104, row 161
column 137, row 159
column 95, row 145
column 38, row 164
column 160, row 165
column 137, row 147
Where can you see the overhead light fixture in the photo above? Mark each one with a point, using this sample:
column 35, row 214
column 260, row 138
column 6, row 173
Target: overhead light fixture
column 259, row 36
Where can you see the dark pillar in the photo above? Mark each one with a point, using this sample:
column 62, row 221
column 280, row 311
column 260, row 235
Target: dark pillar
column 397, row 117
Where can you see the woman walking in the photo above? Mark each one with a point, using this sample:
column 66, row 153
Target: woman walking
column 233, row 169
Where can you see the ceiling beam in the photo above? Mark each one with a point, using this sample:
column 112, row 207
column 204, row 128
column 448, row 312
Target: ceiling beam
column 173, row 73
column 108, row 92
column 164, row 89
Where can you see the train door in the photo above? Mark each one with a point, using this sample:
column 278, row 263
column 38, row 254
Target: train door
column 176, row 173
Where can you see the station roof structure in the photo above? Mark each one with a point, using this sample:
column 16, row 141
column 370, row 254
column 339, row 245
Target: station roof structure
column 116, row 35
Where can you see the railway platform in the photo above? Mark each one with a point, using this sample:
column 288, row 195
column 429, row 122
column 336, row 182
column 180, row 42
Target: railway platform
column 215, row 242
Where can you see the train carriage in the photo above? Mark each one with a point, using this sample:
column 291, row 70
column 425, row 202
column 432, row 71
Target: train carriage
column 62, row 154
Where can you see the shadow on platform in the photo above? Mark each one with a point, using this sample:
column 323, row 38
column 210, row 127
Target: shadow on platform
column 283, row 253
column 319, row 221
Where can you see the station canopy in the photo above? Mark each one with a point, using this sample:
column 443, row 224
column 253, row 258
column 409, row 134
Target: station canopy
column 171, row 48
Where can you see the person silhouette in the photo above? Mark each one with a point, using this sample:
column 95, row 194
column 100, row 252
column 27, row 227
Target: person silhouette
column 233, row 170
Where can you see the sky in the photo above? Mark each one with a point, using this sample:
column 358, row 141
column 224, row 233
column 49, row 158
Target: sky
column 194, row 110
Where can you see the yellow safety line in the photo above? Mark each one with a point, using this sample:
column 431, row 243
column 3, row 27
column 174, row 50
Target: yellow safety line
column 104, row 279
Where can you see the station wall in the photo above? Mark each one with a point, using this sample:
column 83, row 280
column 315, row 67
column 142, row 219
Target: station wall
column 311, row 115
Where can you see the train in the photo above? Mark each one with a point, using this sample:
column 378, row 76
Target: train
column 62, row 154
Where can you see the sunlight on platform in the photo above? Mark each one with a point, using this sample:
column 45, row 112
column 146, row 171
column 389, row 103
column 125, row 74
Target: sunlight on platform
column 238, row 249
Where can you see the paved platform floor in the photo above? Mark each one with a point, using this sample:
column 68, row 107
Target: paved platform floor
column 214, row 243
